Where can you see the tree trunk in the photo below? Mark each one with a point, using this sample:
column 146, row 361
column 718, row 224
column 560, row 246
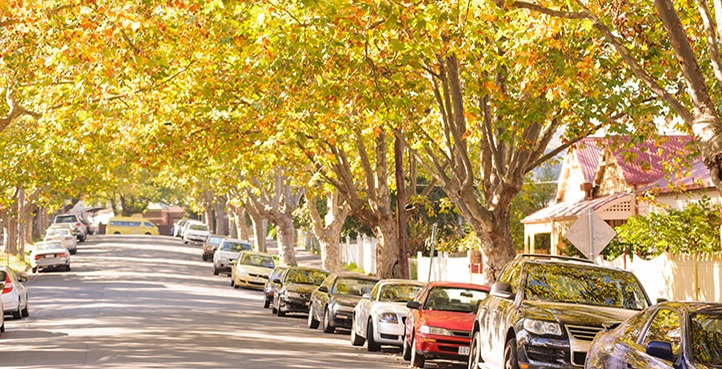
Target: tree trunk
column 219, row 211
column 259, row 234
column 286, row 232
column 401, row 219
column 11, row 230
column 241, row 226
column 387, row 250
column 328, row 231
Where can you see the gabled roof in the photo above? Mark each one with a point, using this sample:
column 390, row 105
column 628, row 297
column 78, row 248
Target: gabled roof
column 697, row 177
column 572, row 210
column 640, row 163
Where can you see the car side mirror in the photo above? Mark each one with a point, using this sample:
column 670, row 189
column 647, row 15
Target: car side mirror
column 501, row 289
column 366, row 296
column 277, row 281
column 323, row 289
column 662, row 350
column 661, row 299
column 413, row 304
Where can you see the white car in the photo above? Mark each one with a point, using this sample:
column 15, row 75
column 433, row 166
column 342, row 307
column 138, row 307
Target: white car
column 196, row 233
column 49, row 254
column 227, row 253
column 79, row 229
column 14, row 296
column 379, row 317
column 64, row 235
column 187, row 225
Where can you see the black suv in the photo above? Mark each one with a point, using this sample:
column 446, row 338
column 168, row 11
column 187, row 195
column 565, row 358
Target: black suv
column 333, row 301
column 544, row 311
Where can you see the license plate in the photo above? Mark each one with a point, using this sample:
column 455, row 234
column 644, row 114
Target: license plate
column 463, row 350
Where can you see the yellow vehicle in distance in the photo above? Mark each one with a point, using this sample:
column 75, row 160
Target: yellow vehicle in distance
column 131, row 225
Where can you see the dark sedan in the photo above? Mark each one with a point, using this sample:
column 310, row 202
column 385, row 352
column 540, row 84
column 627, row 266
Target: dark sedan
column 333, row 301
column 271, row 286
column 294, row 289
column 666, row 335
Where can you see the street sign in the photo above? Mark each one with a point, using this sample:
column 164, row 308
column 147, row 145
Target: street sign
column 590, row 234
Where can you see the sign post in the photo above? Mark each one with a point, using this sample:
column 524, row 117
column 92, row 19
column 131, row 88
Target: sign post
column 590, row 234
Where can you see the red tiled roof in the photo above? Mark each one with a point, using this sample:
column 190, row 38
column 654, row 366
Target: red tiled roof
column 640, row 163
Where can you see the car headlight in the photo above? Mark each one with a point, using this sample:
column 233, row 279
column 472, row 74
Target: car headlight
column 542, row 327
column 388, row 318
column 241, row 271
column 425, row 329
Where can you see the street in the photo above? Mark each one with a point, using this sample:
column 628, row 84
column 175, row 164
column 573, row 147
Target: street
column 151, row 302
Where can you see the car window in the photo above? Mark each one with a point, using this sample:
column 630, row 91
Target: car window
column 375, row 291
column 238, row 247
column 265, row 261
column 583, row 285
column 399, row 292
column 633, row 327
column 199, row 227
column 665, row 327
column 148, row 224
column 706, row 338
column 213, row 241
column 353, row 286
column 511, row 275
column 454, row 299
column 66, row 219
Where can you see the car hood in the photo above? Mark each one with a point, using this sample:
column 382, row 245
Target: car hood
column 228, row 254
column 452, row 320
column 301, row 288
column 575, row 314
column 392, row 307
column 347, row 300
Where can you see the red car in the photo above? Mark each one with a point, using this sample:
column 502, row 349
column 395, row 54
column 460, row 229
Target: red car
column 440, row 320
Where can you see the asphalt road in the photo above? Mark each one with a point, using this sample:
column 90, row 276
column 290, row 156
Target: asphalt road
column 151, row 302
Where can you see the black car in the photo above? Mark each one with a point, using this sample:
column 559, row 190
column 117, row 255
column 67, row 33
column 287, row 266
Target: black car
column 293, row 291
column 666, row 335
column 271, row 285
column 333, row 301
column 209, row 246
column 544, row 311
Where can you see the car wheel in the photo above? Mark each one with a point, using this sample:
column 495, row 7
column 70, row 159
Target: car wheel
column 266, row 303
column 327, row 325
column 205, row 258
column 233, row 283
column 35, row 269
column 474, row 352
column 2, row 327
column 215, row 271
column 372, row 345
column 25, row 311
column 67, row 267
column 406, row 350
column 510, row 359
column 18, row 314
column 356, row 340
column 116, row 233
column 312, row 322
column 417, row 358
column 280, row 312
column 72, row 252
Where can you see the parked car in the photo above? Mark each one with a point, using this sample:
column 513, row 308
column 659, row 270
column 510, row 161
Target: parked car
column 64, row 235
column 439, row 322
column 131, row 225
column 379, row 317
column 666, row 335
column 196, row 232
column 270, row 285
column 178, row 226
column 209, row 246
column 333, row 301
column 544, row 311
column 2, row 316
column 187, row 225
column 78, row 226
column 227, row 253
column 49, row 255
column 294, row 289
column 14, row 296
column 252, row 269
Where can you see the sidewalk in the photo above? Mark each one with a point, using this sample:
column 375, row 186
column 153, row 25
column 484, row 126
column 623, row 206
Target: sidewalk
column 303, row 257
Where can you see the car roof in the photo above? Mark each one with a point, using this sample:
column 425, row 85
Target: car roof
column 236, row 240
column 694, row 306
column 401, row 281
column 472, row 286
column 357, row 276
column 256, row 253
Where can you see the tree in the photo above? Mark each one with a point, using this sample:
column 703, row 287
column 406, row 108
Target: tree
column 328, row 229
column 672, row 50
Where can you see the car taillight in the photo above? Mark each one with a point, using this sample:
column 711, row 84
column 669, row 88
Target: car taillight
column 8, row 284
column 62, row 255
column 38, row 257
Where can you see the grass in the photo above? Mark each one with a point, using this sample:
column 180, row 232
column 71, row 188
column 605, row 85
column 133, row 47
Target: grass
column 14, row 262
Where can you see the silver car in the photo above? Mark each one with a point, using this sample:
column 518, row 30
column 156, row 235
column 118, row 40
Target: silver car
column 226, row 253
column 14, row 296
column 49, row 254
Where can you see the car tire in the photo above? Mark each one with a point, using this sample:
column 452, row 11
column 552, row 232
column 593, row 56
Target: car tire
column 18, row 314
column 35, row 269
column 417, row 358
column 356, row 340
column 312, row 322
column 474, row 352
column 72, row 252
column 266, row 303
column 25, row 312
column 205, row 258
column 371, row 345
column 510, row 359
column 67, row 267
column 327, row 325
column 280, row 312
column 215, row 271
column 233, row 283
column 406, row 350
column 2, row 328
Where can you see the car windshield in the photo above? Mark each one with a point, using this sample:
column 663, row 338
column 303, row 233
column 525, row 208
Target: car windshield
column 48, row 246
column 57, row 232
column 265, row 261
column 706, row 337
column 213, row 241
column 304, row 276
column 235, row 246
column 584, row 285
column 398, row 292
column 463, row 300
column 353, row 286
column 199, row 227
column 66, row 219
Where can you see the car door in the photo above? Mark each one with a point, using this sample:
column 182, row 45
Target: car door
column 320, row 297
column 412, row 319
column 665, row 326
column 364, row 309
column 499, row 311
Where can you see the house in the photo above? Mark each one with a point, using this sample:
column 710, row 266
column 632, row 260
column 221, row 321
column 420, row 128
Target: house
column 618, row 178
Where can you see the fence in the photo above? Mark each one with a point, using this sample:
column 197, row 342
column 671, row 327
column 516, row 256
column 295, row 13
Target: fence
column 362, row 252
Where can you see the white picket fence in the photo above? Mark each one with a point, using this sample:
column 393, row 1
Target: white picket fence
column 361, row 251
